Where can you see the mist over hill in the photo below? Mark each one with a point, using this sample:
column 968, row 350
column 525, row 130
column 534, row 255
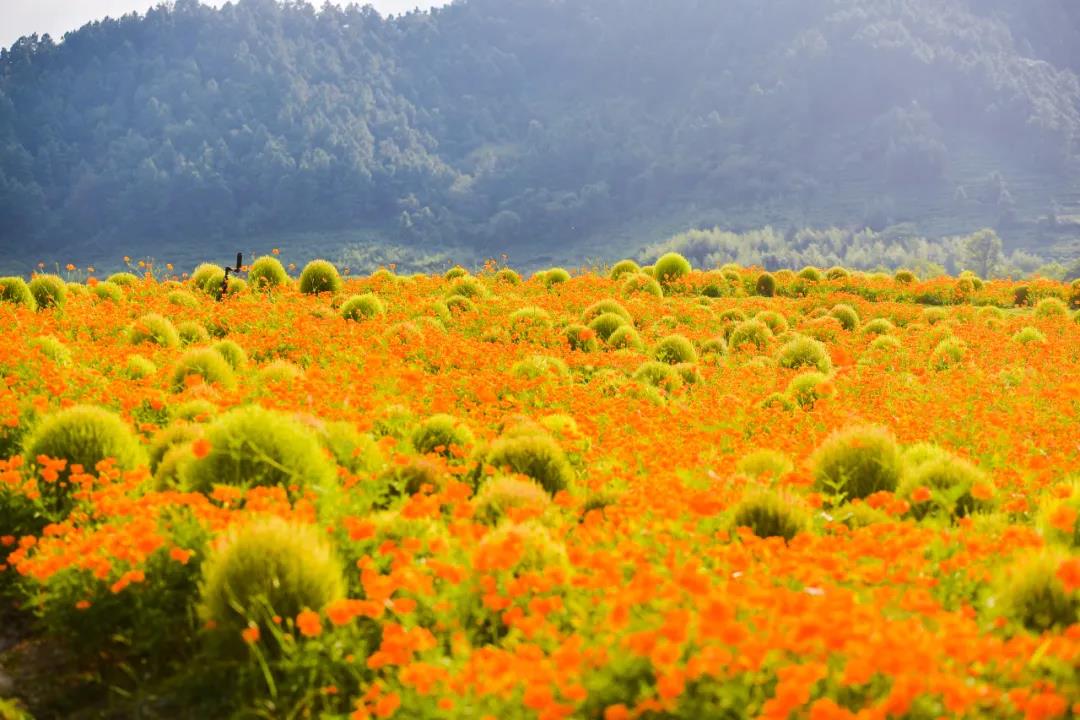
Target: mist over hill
column 543, row 129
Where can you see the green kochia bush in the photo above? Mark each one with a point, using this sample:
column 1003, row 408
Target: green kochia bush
column 951, row 480
column 251, row 446
column 768, row 514
column 206, row 363
column 1051, row 307
column 362, row 307
column 641, row 284
column 192, row 333
column 48, row 291
column 765, row 285
column 15, row 290
column 82, row 435
column 535, row 455
column 607, row 323
column 623, row 268
column 675, row 349
column 858, row 462
column 154, row 328
column 319, row 276
column 267, row 273
column 659, row 375
column 108, row 290
column 1034, row 596
column 750, row 332
column 625, row 337
column 442, row 433
column 847, row 316
column 671, row 268
column 605, row 306
column 265, row 569
column 232, row 352
column 771, row 463
column 123, row 278
column 208, row 278
column 582, row 338
column 503, row 493
column 805, row 352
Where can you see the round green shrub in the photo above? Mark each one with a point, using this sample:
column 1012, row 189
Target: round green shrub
column 1054, row 516
column 836, row 273
column 554, row 276
column 174, row 435
column 398, row 481
column 196, row 411
column 769, row 514
column 14, row 290
column 885, row 343
column 53, row 349
column 468, row 287
column 362, row 307
column 538, row 550
column 182, row 298
column 1029, row 336
column 154, row 328
column 108, row 291
column 624, row 267
column 205, row 363
column 733, row 315
column 750, row 332
column 1051, row 307
column 934, row 315
column 278, row 372
column 768, row 463
column 251, row 446
column 455, row 272
column 82, row 435
column 689, row 372
column 1031, row 594
column 948, row 353
column 625, row 337
column 806, row 389
column 501, row 494
column 905, row 277
column 804, row 352
column 675, row 349
column 208, row 278
column 714, row 348
column 606, row 324
column 671, row 267
column 778, row 400
column 123, row 279
column 527, row 318
column 582, row 338
column 139, row 367
column 641, row 284
column 604, row 307
column 49, row 291
column 773, row 320
column 765, row 285
column 268, row 568
column 442, row 434
column 319, row 276
column 878, row 326
column 858, row 462
column 810, row 274
column 534, row 455
column 507, row 276
column 267, row 273
column 950, row 479
column 232, row 352
column 976, row 281
column 659, row 375
column 847, row 316
column 1021, row 295
column 458, row 304
column 537, row 366
column 353, row 450
column 192, row 333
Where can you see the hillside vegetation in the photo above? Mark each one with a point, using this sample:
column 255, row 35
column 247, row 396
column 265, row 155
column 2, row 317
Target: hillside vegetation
column 535, row 127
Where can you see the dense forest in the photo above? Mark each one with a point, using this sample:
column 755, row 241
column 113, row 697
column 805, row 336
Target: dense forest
column 540, row 128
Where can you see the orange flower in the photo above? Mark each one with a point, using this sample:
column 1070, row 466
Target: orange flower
column 180, row 555
column 309, row 623
column 1069, row 574
column 250, row 634
column 922, row 494
column 201, row 448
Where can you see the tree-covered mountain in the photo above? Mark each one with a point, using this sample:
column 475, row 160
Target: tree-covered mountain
column 540, row 127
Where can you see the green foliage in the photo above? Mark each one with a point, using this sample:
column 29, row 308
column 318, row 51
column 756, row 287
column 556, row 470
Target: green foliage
column 659, row 375
column 765, row 285
column 503, row 494
column 950, row 480
column 265, row 568
column 232, row 352
column 278, row 372
column 537, row 366
column 604, row 307
column 1030, row 336
column 108, row 291
column 208, row 278
column 805, row 352
column 123, row 279
column 82, row 435
column 582, row 338
column 52, row 348
column 535, row 455
column 319, row 276
column 750, row 333
column 982, row 252
column 605, row 324
column 857, row 462
column 878, row 326
column 455, row 272
column 1051, row 307
column 948, row 353
column 837, row 273
column 362, row 307
column 713, row 349
column 154, row 328
column 177, row 434
column 671, row 267
column 267, row 273
column 806, row 389
column 139, row 367
column 810, row 274
column 905, row 277
column 251, row 447
column 1031, row 594
column 469, row 287
column 554, row 276
column 625, row 337
column 442, row 434
column 353, row 450
column 506, row 276
column 192, row 333
column 15, row 290
column 847, row 316
column 769, row 514
column 205, row 363
column 49, row 291
column 770, row 463
column 639, row 284
column 675, row 349
column 623, row 268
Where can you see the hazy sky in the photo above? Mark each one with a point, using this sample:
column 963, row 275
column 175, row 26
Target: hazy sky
column 23, row 17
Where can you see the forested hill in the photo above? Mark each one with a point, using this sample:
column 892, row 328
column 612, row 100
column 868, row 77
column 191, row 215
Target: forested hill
column 539, row 127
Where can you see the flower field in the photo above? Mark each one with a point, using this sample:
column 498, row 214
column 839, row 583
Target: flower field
column 631, row 493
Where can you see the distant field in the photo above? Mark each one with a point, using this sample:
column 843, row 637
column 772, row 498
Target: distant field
column 624, row 493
